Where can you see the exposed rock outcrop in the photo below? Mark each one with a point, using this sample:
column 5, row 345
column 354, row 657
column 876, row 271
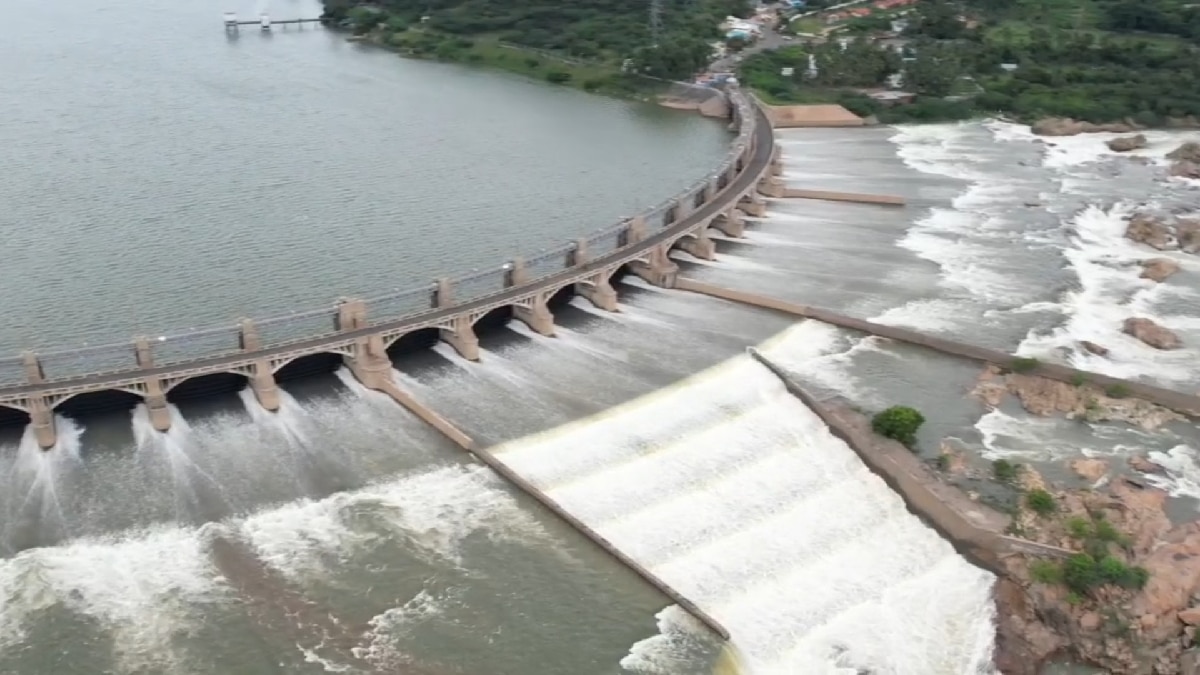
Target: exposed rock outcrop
column 1143, row 464
column 1045, row 397
column 1187, row 232
column 1098, row 350
column 1064, row 126
column 1188, row 152
column 1151, row 231
column 1184, row 169
column 1127, row 143
column 1158, row 269
column 1151, row 333
column 1125, row 631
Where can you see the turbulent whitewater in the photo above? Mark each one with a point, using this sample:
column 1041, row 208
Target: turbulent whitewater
column 735, row 493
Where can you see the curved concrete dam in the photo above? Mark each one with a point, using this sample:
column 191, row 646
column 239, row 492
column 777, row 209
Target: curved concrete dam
column 360, row 331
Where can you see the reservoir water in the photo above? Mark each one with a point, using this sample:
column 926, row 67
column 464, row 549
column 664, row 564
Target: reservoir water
column 161, row 175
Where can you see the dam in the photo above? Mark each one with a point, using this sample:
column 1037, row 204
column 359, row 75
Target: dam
column 359, row 331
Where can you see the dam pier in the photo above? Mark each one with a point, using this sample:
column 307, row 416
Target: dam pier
column 361, row 330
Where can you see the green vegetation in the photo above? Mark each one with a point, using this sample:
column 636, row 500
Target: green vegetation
column 1095, row 565
column 1078, row 380
column 1005, row 471
column 1118, row 390
column 1041, row 502
column 1093, row 60
column 898, row 423
column 568, row 43
column 1023, row 364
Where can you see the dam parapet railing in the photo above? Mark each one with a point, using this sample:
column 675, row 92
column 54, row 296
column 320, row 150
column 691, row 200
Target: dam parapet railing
column 449, row 304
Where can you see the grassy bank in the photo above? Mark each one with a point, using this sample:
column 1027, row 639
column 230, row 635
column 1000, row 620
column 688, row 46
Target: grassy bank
column 490, row 52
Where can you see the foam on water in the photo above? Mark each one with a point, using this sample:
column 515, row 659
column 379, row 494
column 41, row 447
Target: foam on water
column 1110, row 291
column 36, row 477
column 1182, row 466
column 433, row 511
column 736, row 494
column 141, row 586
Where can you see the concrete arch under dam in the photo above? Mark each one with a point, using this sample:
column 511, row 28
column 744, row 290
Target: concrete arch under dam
column 360, row 333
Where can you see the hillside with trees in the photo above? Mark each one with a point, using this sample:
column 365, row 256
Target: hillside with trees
column 599, row 32
column 1093, row 60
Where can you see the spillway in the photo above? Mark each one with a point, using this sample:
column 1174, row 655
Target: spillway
column 736, row 494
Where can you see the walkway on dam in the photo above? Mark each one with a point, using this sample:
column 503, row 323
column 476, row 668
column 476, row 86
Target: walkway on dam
column 751, row 174
column 1178, row 401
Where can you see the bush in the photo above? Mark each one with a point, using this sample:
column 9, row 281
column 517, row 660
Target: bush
column 558, row 77
column 898, row 423
column 1078, row 380
column 1041, row 502
column 1117, row 391
column 1046, row 572
column 1005, row 471
column 1083, row 572
column 1023, row 364
column 1079, row 528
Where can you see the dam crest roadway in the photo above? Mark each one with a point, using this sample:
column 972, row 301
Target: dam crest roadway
column 360, row 331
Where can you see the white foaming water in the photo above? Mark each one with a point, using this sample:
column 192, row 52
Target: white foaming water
column 1182, row 464
column 35, row 482
column 141, row 586
column 288, row 422
column 174, row 446
column 1069, row 151
column 736, row 494
column 819, row 354
column 1111, row 291
column 1027, row 439
column 969, row 240
column 432, row 511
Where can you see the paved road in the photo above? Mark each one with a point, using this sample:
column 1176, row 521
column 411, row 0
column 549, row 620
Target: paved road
column 765, row 141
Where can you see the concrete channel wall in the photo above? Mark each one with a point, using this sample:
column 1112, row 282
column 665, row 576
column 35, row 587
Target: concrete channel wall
column 1181, row 402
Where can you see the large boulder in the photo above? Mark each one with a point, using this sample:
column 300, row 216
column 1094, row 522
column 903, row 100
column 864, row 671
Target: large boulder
column 1065, row 126
column 1187, row 232
column 1098, row 350
column 1150, row 231
column 1185, row 169
column 1158, row 269
column 1151, row 333
column 1188, row 152
column 1127, row 143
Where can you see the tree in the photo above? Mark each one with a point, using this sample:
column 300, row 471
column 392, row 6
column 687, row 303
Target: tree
column 1041, row 502
column 898, row 423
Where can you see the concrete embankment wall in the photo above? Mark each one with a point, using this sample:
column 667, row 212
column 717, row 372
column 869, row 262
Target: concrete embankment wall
column 1184, row 403
column 460, row 438
column 856, row 197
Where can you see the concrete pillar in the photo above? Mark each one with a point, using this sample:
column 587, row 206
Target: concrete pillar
column 659, row 269
column 537, row 316
column 599, row 291
column 143, row 352
column 248, row 336
column 580, row 255
column 731, row 224
column 771, row 187
column 637, row 229
column 710, row 190
column 263, row 384
column 370, row 363
column 41, row 418
column 519, row 273
column 445, row 292
column 777, row 161
column 699, row 245
column 351, row 315
column 156, row 404
column 753, row 205
column 34, row 374
column 462, row 337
